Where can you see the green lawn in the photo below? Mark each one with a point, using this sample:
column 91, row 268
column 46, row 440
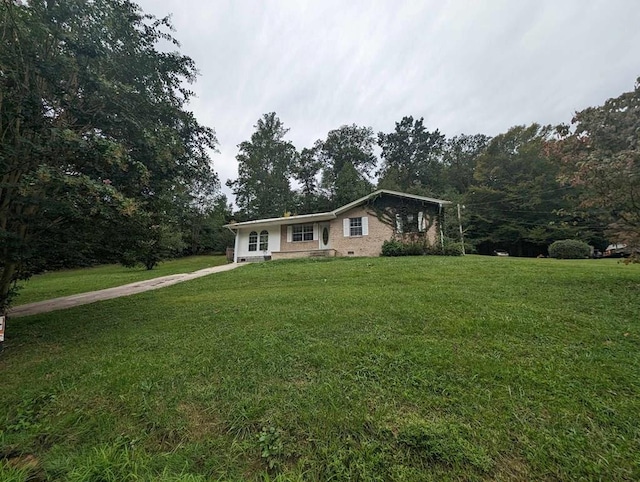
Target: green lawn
column 70, row 282
column 411, row 369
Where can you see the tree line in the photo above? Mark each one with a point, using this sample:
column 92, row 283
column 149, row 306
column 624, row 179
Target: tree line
column 521, row 190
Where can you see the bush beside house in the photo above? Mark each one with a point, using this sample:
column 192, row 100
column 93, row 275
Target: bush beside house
column 395, row 247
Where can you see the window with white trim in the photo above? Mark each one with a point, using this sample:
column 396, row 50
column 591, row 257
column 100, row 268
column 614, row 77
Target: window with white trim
column 302, row 232
column 410, row 223
column 264, row 240
column 355, row 226
column 253, row 241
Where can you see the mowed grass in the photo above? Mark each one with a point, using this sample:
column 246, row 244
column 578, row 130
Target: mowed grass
column 348, row 369
column 70, row 282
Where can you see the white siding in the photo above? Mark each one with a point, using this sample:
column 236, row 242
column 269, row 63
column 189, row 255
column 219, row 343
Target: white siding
column 242, row 242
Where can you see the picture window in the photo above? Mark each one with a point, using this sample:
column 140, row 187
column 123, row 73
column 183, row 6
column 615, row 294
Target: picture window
column 302, row 232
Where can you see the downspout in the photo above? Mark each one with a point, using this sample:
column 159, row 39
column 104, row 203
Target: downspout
column 440, row 216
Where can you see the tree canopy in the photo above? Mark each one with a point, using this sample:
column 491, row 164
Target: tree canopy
column 516, row 200
column 93, row 122
column 601, row 157
column 412, row 158
column 348, row 160
column 265, row 164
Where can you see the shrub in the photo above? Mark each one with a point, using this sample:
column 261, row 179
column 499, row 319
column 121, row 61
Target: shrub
column 396, row 247
column 413, row 249
column 452, row 249
column 392, row 248
column 569, row 249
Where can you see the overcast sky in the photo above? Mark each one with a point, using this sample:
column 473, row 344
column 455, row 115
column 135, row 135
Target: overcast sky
column 465, row 66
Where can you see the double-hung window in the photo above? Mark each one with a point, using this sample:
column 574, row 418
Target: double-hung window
column 355, row 226
column 253, row 241
column 264, row 240
column 302, row 232
column 410, row 223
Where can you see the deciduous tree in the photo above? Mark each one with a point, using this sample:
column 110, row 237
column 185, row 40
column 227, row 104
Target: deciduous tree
column 601, row 158
column 93, row 120
column 348, row 161
column 516, row 202
column 265, row 163
column 306, row 171
column 412, row 158
column 460, row 155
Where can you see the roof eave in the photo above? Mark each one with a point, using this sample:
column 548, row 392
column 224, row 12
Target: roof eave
column 357, row 202
column 332, row 214
column 283, row 220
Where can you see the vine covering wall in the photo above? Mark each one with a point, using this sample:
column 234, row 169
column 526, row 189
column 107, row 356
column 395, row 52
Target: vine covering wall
column 391, row 209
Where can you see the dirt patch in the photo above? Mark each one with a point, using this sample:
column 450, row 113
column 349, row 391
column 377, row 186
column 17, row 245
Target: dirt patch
column 511, row 468
column 200, row 422
column 28, row 463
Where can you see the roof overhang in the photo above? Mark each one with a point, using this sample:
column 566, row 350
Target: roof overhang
column 285, row 220
column 379, row 192
column 312, row 218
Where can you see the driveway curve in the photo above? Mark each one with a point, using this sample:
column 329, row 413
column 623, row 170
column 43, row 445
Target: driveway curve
column 109, row 293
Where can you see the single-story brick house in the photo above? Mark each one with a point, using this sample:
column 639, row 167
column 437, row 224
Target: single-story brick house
column 356, row 229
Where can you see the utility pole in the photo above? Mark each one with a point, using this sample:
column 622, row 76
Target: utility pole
column 460, row 226
column 3, row 319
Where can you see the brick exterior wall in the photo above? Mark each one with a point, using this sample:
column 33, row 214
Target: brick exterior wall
column 370, row 245
column 323, row 253
column 295, row 246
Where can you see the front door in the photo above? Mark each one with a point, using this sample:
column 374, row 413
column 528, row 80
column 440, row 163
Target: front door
column 324, row 235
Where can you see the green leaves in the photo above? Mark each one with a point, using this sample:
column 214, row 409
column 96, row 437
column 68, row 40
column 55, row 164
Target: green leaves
column 412, row 158
column 94, row 123
column 516, row 202
column 262, row 189
column 602, row 158
column 348, row 158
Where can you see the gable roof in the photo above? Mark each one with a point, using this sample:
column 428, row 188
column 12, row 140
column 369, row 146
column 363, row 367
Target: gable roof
column 301, row 218
column 379, row 192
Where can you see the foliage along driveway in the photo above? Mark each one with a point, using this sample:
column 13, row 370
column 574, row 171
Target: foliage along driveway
column 107, row 294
